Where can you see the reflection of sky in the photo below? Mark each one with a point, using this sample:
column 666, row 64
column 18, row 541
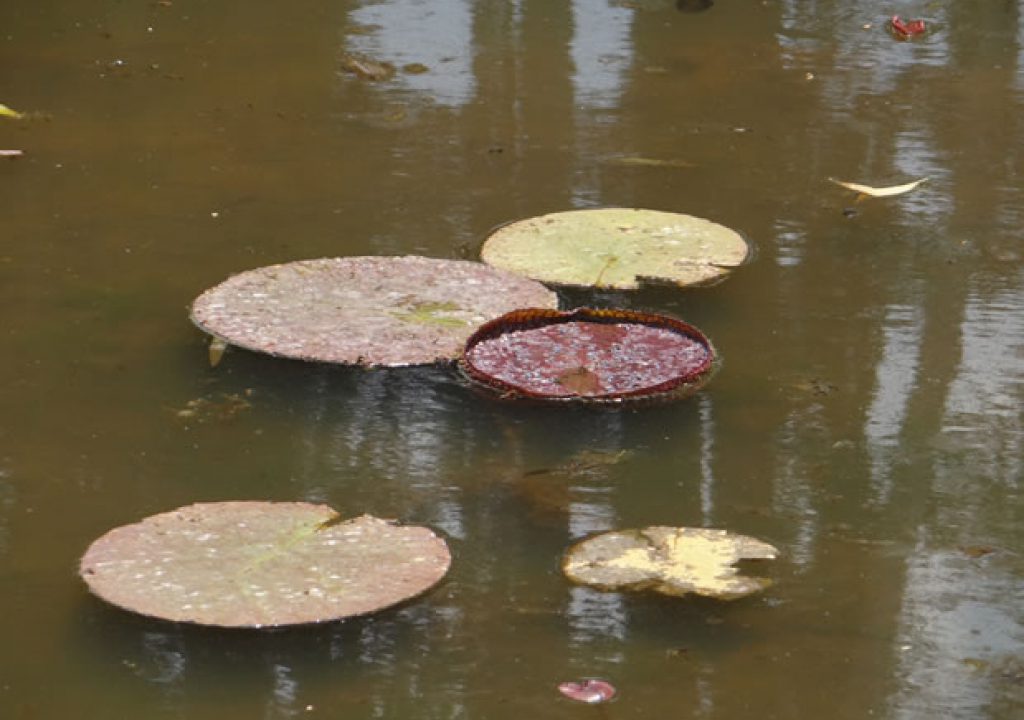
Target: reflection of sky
column 956, row 612
column 985, row 400
column 436, row 33
column 896, row 378
column 792, row 492
column 914, row 157
column 883, row 60
column 593, row 615
column 601, row 52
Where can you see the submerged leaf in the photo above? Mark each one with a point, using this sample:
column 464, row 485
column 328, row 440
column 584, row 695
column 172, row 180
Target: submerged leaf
column 620, row 248
column 670, row 560
column 258, row 564
column 217, row 350
column 869, row 191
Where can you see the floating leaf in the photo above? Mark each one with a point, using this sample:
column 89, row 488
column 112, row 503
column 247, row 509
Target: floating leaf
column 905, row 29
column 669, row 560
column 616, row 248
column 260, row 564
column 363, row 310
column 868, row 191
column 8, row 112
column 590, row 691
column 605, row 356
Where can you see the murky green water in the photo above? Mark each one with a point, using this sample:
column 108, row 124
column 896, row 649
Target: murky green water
column 867, row 421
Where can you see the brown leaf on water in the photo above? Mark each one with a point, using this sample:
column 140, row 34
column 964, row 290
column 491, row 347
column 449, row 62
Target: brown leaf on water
column 977, row 551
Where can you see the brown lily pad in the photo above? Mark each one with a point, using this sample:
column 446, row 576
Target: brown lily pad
column 619, row 248
column 588, row 355
column 669, row 560
column 261, row 564
column 390, row 311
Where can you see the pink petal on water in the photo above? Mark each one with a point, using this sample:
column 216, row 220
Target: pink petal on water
column 588, row 691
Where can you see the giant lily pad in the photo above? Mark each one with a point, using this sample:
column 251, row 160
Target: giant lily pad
column 616, row 248
column 258, row 564
column 669, row 560
column 588, row 355
column 363, row 310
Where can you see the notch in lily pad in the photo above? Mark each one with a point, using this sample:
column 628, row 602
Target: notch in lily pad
column 676, row 561
column 587, row 355
column 617, row 248
column 379, row 311
column 262, row 564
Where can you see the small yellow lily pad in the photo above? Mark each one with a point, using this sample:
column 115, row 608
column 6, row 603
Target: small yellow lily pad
column 674, row 561
column 616, row 248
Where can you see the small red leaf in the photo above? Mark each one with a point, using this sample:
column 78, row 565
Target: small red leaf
column 588, row 691
column 906, row 29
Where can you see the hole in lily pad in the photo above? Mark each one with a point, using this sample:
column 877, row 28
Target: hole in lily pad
column 262, row 564
column 619, row 248
column 669, row 560
column 390, row 311
column 588, row 355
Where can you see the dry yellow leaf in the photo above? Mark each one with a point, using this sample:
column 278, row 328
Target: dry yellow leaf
column 870, row 191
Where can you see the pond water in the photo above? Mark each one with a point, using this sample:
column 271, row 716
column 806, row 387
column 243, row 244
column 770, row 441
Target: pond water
column 867, row 420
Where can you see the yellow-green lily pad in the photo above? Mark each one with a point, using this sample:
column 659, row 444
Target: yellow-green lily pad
column 670, row 560
column 261, row 564
column 616, row 248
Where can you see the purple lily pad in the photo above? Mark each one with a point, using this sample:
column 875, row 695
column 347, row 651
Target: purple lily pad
column 390, row 311
column 261, row 564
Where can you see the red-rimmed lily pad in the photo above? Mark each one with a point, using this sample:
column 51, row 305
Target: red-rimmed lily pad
column 588, row 355
column 390, row 311
column 262, row 564
column 669, row 560
column 619, row 248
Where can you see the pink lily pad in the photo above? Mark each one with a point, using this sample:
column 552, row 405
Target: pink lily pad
column 591, row 691
column 387, row 311
column 261, row 564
